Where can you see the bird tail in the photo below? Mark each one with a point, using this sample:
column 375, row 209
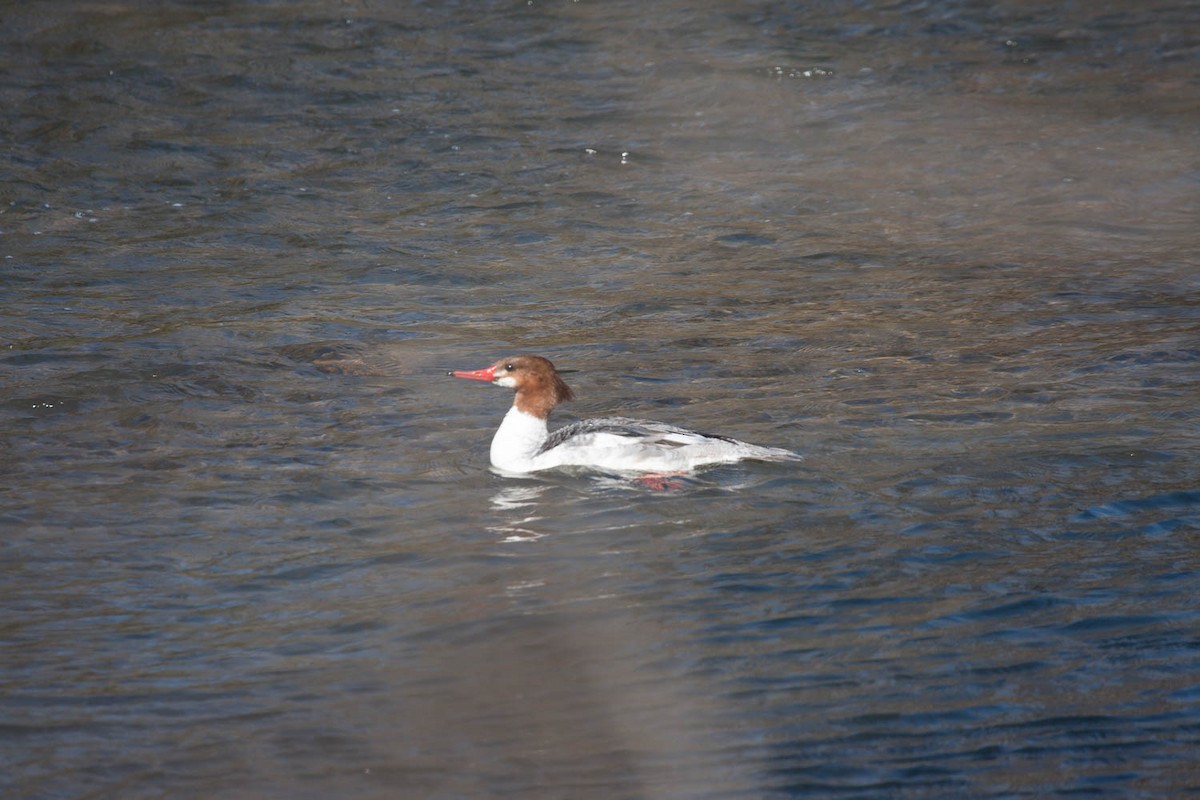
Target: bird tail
column 773, row 454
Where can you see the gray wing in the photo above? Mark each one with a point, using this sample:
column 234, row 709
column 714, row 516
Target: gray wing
column 654, row 433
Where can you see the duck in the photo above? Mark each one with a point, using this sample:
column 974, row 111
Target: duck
column 524, row 442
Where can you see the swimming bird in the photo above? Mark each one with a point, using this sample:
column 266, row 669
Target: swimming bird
column 524, row 443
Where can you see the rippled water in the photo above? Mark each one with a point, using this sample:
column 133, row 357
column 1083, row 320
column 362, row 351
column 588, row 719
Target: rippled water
column 251, row 546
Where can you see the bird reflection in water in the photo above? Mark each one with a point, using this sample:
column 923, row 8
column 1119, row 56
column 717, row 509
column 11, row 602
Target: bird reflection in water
column 519, row 499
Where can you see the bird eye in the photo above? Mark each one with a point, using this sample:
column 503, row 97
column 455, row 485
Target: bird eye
column 510, row 367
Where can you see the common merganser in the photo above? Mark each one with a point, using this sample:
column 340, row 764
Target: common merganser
column 523, row 442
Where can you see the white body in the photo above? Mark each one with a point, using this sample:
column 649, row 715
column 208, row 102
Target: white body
column 631, row 446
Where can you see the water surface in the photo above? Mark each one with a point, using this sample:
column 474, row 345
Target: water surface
column 251, row 544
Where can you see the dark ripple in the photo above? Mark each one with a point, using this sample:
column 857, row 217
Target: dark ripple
column 1109, row 622
column 50, row 357
column 970, row 418
column 1120, row 508
column 1016, row 608
column 745, row 238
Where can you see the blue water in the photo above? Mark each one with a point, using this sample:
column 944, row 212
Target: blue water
column 251, row 546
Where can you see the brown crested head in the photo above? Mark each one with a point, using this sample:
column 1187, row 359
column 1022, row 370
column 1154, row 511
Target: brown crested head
column 538, row 385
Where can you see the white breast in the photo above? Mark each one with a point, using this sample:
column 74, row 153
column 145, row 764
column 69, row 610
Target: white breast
column 517, row 440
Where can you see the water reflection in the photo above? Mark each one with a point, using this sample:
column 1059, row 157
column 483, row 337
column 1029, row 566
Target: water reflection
column 509, row 504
